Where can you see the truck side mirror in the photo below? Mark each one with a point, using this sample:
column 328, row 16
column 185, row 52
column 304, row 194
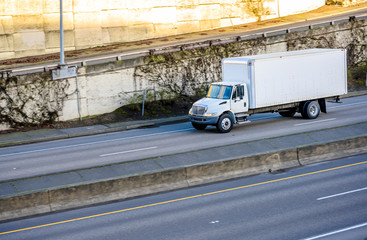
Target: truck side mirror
column 234, row 94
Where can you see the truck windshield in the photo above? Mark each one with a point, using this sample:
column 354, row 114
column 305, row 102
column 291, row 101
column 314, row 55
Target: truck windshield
column 219, row 91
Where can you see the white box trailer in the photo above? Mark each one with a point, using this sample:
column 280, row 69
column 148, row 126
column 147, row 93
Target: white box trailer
column 286, row 77
column 286, row 82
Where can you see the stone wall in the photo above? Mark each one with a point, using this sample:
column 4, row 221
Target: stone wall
column 31, row 27
column 35, row 98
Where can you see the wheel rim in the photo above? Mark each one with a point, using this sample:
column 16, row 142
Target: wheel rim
column 313, row 110
column 226, row 123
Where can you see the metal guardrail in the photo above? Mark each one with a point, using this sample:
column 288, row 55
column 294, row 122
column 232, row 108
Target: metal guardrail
column 172, row 48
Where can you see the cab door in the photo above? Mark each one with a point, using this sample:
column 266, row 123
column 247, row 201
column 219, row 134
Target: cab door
column 239, row 99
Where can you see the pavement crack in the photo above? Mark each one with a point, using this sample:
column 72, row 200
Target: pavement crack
column 159, row 165
column 14, row 186
column 299, row 162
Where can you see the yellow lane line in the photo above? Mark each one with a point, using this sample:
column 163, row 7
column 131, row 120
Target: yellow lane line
column 182, row 199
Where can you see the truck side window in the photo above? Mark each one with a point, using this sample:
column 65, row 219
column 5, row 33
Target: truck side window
column 241, row 91
column 238, row 92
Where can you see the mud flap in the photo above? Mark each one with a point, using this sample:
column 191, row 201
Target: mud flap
column 322, row 104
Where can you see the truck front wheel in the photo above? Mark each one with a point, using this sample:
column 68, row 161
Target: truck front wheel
column 198, row 126
column 311, row 110
column 225, row 123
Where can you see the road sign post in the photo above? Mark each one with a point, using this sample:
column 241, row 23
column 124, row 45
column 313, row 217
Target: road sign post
column 62, row 56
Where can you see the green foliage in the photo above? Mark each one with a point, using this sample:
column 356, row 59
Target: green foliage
column 201, row 91
column 357, row 77
column 335, row 2
column 360, row 71
column 256, row 8
column 155, row 59
column 360, row 83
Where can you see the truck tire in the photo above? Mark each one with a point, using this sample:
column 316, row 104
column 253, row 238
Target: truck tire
column 311, row 110
column 198, row 126
column 288, row 113
column 225, row 123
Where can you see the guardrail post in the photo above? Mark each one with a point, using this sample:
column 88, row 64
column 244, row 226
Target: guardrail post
column 6, row 74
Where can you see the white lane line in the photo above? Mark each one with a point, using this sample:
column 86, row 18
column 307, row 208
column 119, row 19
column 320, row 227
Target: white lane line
column 308, row 123
column 347, row 105
column 92, row 143
column 337, row 231
column 128, row 151
column 343, row 193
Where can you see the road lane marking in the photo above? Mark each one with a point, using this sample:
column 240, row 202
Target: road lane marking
column 91, row 143
column 184, row 198
column 337, row 231
column 308, row 123
column 343, row 193
column 127, row 151
column 347, row 105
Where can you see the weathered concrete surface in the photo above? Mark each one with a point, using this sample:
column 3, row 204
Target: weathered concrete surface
column 32, row 27
column 62, row 191
column 337, row 149
column 35, row 98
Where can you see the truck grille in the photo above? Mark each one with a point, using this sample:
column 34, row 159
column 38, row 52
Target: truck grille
column 198, row 110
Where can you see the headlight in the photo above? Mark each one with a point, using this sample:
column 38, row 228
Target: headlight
column 210, row 114
column 190, row 111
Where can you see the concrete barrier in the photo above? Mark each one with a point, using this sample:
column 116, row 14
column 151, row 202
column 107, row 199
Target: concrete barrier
column 24, row 205
column 337, row 149
column 154, row 182
column 239, row 167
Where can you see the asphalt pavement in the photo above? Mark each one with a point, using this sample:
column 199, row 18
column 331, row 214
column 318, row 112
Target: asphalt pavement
column 13, row 187
column 49, row 134
column 175, row 161
column 320, row 201
column 23, row 195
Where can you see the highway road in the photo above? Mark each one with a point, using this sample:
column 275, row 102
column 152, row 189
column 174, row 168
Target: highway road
column 84, row 152
column 321, row 201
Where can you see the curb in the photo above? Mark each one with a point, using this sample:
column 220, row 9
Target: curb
column 107, row 190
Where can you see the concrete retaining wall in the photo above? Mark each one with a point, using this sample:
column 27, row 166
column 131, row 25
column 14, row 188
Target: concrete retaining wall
column 138, row 185
column 35, row 98
column 31, row 27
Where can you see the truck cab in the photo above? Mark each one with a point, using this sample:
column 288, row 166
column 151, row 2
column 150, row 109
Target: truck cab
column 225, row 104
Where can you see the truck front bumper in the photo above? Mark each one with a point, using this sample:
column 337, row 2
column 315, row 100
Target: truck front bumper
column 203, row 119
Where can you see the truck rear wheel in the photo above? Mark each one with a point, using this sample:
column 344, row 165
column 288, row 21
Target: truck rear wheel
column 225, row 123
column 311, row 110
column 198, row 126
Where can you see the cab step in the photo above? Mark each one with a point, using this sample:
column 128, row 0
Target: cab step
column 242, row 120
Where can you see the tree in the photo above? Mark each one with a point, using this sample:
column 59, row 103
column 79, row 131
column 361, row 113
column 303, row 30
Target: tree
column 256, row 8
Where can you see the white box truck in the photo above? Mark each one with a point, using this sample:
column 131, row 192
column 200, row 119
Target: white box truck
column 286, row 82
